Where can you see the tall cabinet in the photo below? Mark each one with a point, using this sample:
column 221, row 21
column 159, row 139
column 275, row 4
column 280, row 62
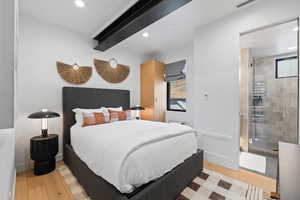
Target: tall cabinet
column 153, row 91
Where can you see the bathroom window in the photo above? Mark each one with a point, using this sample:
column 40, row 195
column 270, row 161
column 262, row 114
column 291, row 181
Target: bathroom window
column 176, row 95
column 287, row 67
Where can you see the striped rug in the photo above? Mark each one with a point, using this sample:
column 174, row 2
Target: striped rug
column 208, row 185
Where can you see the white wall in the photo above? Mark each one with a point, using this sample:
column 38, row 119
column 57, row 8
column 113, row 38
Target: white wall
column 40, row 86
column 7, row 164
column 7, row 136
column 177, row 55
column 6, row 64
column 216, row 65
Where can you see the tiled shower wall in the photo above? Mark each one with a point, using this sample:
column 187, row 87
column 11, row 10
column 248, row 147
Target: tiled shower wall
column 278, row 106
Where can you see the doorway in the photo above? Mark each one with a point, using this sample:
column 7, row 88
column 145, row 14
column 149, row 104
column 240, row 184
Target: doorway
column 268, row 94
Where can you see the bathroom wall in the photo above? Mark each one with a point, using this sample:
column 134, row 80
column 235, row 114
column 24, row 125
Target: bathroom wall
column 279, row 104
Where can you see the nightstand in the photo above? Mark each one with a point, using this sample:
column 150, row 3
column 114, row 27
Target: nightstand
column 43, row 151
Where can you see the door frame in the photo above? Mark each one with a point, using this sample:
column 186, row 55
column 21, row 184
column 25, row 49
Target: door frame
column 297, row 19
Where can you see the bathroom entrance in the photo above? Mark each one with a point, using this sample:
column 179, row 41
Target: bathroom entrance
column 268, row 94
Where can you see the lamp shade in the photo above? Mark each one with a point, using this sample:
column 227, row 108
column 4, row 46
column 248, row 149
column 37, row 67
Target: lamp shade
column 137, row 108
column 43, row 115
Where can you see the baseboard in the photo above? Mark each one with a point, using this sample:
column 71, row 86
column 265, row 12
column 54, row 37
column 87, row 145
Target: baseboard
column 59, row 157
column 13, row 190
column 219, row 159
column 212, row 156
column 21, row 167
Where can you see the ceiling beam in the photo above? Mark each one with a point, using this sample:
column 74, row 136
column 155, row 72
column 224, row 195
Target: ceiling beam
column 139, row 16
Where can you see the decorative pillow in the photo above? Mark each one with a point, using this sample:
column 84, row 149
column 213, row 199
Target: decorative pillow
column 121, row 115
column 91, row 119
column 105, row 110
column 79, row 111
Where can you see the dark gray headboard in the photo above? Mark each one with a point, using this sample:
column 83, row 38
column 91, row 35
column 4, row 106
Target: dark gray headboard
column 89, row 98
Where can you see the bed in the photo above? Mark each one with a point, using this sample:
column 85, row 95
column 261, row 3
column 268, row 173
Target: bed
column 166, row 187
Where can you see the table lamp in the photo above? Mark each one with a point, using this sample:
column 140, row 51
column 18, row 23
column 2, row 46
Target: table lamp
column 138, row 111
column 44, row 115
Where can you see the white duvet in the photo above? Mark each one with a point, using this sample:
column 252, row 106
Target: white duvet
column 129, row 154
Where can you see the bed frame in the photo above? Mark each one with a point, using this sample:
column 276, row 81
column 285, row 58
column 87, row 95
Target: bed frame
column 167, row 187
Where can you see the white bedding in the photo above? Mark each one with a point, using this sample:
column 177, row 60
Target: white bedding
column 129, row 154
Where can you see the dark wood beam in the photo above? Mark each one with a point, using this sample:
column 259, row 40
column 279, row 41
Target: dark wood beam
column 139, row 16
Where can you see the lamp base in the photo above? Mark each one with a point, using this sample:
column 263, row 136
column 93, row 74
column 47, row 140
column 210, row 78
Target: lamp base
column 44, row 132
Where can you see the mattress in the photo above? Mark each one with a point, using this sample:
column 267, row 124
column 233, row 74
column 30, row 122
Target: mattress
column 129, row 154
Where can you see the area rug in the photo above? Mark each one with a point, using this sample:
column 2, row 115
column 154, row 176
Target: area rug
column 208, row 185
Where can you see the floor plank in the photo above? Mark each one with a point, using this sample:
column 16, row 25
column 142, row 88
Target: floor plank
column 21, row 186
column 66, row 188
column 52, row 186
column 47, row 187
column 55, row 188
column 36, row 187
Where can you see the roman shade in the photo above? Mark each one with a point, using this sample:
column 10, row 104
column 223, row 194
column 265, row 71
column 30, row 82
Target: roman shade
column 175, row 71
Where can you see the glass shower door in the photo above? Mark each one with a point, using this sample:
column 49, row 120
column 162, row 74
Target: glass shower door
column 272, row 87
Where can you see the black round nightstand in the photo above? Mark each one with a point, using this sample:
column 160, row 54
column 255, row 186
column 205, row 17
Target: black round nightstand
column 43, row 151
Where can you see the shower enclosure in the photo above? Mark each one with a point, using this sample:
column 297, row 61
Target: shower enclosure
column 269, row 88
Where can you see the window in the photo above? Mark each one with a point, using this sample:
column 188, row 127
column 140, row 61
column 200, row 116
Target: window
column 176, row 95
column 287, row 67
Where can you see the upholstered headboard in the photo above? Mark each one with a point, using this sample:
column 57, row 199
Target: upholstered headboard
column 89, row 98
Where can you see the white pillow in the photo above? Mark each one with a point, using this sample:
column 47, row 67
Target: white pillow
column 115, row 109
column 105, row 110
column 78, row 113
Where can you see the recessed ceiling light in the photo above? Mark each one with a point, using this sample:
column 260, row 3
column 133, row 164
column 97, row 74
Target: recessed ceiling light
column 296, row 29
column 292, row 48
column 79, row 3
column 145, row 34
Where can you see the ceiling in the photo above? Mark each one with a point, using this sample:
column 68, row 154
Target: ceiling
column 87, row 20
column 275, row 40
column 173, row 31
column 177, row 29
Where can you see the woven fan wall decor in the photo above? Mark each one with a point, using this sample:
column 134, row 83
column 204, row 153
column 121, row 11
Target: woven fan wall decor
column 75, row 75
column 111, row 75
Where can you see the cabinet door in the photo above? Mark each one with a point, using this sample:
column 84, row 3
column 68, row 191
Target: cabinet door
column 160, row 93
column 147, row 89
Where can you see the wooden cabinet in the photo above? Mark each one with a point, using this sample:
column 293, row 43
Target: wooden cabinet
column 153, row 91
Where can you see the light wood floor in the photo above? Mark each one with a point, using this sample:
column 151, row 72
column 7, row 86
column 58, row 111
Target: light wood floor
column 47, row 187
column 52, row 186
